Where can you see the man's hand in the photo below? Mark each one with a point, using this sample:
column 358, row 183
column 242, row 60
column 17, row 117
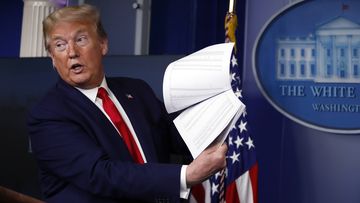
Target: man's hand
column 206, row 164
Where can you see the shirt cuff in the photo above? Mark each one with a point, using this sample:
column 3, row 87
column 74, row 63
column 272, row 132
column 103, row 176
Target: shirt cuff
column 184, row 190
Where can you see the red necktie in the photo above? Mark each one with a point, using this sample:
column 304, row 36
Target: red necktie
column 118, row 121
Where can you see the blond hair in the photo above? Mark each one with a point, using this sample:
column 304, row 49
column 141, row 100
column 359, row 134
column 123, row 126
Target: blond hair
column 84, row 13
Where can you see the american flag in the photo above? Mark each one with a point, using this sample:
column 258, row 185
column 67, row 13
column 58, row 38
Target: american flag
column 238, row 183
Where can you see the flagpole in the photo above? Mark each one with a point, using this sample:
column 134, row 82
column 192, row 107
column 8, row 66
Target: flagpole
column 230, row 28
column 232, row 6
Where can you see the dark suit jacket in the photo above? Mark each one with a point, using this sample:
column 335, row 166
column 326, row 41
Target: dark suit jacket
column 82, row 158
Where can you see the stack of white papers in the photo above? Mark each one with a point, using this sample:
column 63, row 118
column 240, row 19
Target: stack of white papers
column 200, row 83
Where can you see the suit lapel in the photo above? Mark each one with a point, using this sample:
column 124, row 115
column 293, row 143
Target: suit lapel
column 129, row 100
column 108, row 133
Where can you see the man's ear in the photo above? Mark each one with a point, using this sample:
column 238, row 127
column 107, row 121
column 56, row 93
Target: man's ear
column 104, row 46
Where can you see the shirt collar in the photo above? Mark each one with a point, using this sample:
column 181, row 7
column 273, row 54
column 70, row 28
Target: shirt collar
column 92, row 93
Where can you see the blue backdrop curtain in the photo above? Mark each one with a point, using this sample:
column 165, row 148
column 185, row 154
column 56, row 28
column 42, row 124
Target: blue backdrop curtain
column 185, row 26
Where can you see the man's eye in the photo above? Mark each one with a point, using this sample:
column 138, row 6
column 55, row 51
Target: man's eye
column 82, row 41
column 60, row 46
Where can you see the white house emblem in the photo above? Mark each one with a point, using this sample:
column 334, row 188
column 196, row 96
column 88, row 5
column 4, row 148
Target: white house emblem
column 307, row 64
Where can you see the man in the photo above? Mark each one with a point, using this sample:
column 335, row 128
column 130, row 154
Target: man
column 84, row 153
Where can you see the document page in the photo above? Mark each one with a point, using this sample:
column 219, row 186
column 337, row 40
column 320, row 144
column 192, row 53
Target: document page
column 197, row 77
column 211, row 119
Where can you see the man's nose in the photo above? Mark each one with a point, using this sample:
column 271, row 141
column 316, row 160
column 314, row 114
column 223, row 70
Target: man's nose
column 73, row 51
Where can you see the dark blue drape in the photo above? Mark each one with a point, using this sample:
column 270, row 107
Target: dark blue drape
column 185, row 26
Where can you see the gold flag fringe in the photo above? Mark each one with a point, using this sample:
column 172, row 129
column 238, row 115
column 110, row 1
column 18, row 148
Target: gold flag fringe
column 230, row 28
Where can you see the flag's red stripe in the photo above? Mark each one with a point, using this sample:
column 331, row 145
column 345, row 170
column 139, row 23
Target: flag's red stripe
column 254, row 181
column 198, row 193
column 231, row 193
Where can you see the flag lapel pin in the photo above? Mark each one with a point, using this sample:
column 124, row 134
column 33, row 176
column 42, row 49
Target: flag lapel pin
column 129, row 96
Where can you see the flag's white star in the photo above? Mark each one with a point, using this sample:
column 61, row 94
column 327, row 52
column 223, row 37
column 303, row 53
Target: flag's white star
column 218, row 174
column 238, row 142
column 244, row 112
column 234, row 127
column 230, row 140
column 238, row 93
column 250, row 143
column 214, row 188
column 233, row 76
column 242, row 126
column 234, row 61
column 234, row 157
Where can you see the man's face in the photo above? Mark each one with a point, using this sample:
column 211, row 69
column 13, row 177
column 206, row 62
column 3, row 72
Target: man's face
column 76, row 52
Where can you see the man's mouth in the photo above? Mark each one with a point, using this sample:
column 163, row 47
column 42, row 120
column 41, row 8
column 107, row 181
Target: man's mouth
column 77, row 68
